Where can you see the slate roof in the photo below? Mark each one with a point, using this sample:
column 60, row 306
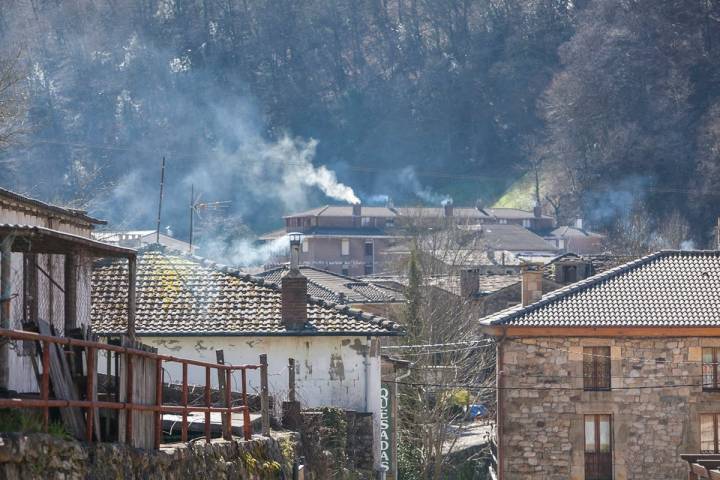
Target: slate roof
column 666, row 289
column 439, row 212
column 337, row 288
column 514, row 238
column 570, row 231
column 180, row 295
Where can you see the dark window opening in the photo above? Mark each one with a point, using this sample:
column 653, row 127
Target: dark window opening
column 570, row 274
column 710, row 357
column 368, row 269
column 596, row 368
column 598, row 447
column 368, row 249
column 30, row 288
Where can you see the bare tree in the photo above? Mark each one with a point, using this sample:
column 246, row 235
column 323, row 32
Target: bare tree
column 444, row 379
column 12, row 100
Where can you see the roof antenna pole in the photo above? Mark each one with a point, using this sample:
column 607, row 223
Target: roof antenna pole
column 162, row 185
column 192, row 210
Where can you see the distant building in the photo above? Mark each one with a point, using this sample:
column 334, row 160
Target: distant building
column 365, row 295
column 356, row 240
column 576, row 239
column 141, row 238
column 612, row 377
column 345, row 239
column 47, row 253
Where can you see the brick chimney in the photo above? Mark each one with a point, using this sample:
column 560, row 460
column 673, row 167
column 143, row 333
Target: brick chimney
column 293, row 287
column 356, row 214
column 448, row 205
column 537, row 210
column 469, row 282
column 532, row 276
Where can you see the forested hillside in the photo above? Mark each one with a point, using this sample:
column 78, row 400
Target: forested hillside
column 616, row 104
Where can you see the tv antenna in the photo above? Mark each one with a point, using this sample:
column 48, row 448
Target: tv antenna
column 196, row 206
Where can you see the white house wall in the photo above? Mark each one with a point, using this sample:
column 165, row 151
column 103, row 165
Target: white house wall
column 329, row 371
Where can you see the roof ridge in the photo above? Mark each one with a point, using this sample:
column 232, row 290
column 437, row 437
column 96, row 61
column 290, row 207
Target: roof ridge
column 509, row 314
column 357, row 314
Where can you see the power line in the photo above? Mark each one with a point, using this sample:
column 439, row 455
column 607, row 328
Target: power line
column 494, row 387
column 633, row 359
column 438, row 344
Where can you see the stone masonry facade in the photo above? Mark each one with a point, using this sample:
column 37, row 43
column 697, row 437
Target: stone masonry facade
column 544, row 405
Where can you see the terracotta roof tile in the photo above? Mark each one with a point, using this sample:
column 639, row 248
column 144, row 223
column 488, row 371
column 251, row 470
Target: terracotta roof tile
column 667, row 288
column 183, row 295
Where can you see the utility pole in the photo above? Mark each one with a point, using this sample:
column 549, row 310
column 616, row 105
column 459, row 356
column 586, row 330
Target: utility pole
column 162, row 185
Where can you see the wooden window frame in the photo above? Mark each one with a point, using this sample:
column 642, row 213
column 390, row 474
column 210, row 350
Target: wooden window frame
column 595, row 382
column 716, row 441
column 587, row 455
column 714, row 366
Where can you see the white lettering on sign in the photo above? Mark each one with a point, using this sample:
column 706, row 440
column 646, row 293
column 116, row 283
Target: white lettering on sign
column 385, row 428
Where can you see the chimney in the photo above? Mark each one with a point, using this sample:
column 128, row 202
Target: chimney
column 579, row 223
column 448, row 205
column 356, row 214
column 532, row 276
column 293, row 287
column 469, row 282
column 537, row 210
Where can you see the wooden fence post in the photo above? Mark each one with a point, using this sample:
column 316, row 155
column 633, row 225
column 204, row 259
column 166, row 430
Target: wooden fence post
column 264, row 400
column 220, row 357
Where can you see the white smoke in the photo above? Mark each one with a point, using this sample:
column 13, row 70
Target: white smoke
column 243, row 252
column 297, row 156
column 410, row 181
column 687, row 245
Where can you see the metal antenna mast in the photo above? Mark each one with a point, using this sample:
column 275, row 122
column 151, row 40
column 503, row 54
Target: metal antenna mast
column 162, row 185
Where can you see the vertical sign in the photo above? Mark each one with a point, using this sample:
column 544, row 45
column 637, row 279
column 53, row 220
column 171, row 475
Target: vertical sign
column 386, row 448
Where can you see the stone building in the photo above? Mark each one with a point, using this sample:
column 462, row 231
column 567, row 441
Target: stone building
column 613, row 377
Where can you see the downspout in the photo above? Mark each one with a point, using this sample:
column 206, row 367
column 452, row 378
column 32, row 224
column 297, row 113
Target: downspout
column 499, row 384
column 366, row 362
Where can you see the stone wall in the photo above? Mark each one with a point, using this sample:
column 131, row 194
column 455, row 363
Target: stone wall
column 544, row 406
column 41, row 456
column 337, row 444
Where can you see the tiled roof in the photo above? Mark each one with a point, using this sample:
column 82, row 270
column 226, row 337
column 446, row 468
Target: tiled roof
column 439, row 212
column 345, row 211
column 345, row 231
column 183, row 295
column 451, row 283
column 512, row 213
column 570, row 231
column 337, row 288
column 665, row 289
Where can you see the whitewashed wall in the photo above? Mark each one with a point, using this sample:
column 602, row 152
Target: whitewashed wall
column 330, row 371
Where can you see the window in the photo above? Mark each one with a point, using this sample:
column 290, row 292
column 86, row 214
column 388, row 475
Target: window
column 709, row 433
column 345, row 247
column 368, row 249
column 526, row 223
column 305, row 245
column 365, row 222
column 710, row 357
column 569, row 273
column 596, row 368
column 502, row 221
column 390, row 222
column 368, row 269
column 345, row 270
column 598, row 447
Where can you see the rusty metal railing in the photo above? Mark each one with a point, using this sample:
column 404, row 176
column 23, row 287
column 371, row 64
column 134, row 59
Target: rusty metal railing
column 91, row 348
